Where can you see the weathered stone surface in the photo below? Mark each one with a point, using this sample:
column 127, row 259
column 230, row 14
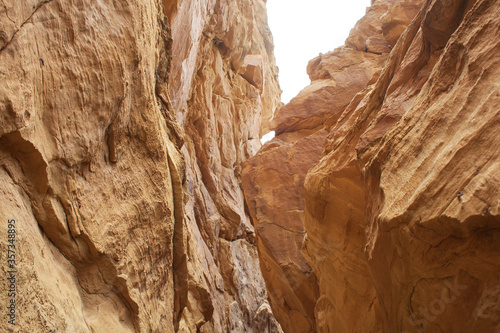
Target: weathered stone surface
column 127, row 218
column 397, row 18
column 274, row 184
column 382, row 25
column 232, row 95
column 336, row 77
column 84, row 161
column 402, row 212
column 124, row 131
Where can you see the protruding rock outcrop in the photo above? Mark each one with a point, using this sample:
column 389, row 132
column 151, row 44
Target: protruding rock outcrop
column 402, row 210
column 274, row 179
column 405, row 191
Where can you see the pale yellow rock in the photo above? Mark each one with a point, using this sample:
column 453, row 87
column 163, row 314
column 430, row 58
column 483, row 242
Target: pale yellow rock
column 125, row 212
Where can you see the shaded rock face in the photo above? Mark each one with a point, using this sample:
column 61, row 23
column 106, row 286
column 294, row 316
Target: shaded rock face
column 232, row 93
column 390, row 226
column 274, row 183
column 402, row 211
column 123, row 127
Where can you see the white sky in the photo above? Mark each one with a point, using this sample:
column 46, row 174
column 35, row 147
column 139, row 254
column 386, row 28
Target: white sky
column 303, row 29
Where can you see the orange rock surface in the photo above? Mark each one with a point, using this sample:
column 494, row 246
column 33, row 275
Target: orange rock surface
column 123, row 125
column 273, row 180
column 223, row 108
column 129, row 129
column 402, row 211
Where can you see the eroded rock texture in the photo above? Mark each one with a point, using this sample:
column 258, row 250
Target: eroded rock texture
column 224, row 89
column 274, row 179
column 402, row 212
column 123, row 126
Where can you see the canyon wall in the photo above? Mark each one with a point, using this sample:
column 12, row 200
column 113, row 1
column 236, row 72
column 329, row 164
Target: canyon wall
column 128, row 130
column 392, row 224
column 274, row 179
column 123, row 127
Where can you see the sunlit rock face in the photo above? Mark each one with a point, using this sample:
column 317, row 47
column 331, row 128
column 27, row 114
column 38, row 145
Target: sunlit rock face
column 274, row 184
column 123, row 128
column 397, row 216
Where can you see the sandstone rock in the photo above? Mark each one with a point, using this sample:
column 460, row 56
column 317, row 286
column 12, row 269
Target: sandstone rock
column 336, row 77
column 253, row 70
column 231, row 96
column 128, row 218
column 377, row 45
column 401, row 211
column 78, row 114
column 273, row 181
column 126, row 130
column 382, row 25
column 397, row 18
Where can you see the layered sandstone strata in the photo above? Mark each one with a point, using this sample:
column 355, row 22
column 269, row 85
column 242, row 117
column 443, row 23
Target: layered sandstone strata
column 274, row 179
column 123, row 125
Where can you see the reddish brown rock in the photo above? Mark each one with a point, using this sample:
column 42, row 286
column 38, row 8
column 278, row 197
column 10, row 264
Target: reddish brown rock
column 382, row 25
column 273, row 182
column 402, row 211
column 274, row 189
column 336, row 77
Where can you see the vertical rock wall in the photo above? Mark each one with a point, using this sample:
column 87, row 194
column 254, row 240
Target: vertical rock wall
column 400, row 207
column 433, row 177
column 405, row 182
column 127, row 219
column 224, row 90
column 274, row 179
